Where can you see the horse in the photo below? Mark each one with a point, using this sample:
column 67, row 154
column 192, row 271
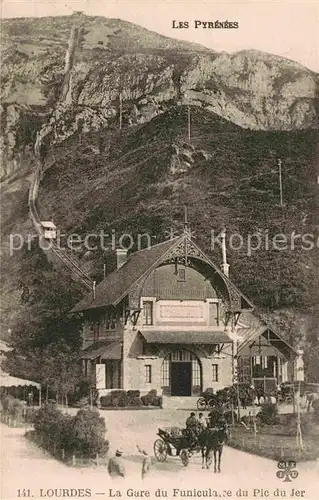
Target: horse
column 212, row 439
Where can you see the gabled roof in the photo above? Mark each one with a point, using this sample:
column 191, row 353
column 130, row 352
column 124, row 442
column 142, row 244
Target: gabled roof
column 247, row 336
column 118, row 283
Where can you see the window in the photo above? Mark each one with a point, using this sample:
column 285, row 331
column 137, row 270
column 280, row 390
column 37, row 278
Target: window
column 148, row 312
column 214, row 373
column 196, row 373
column 181, row 274
column 165, row 373
column 214, row 314
column 148, row 374
column 110, row 321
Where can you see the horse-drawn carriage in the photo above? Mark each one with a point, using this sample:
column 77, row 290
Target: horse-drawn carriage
column 174, row 441
column 208, row 400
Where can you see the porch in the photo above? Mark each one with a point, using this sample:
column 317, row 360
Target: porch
column 268, row 361
column 102, row 363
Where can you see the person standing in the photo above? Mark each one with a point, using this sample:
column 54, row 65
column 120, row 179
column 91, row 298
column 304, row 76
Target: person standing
column 202, row 421
column 115, row 466
column 146, row 463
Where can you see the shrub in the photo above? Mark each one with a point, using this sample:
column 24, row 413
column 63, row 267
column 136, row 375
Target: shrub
column 151, row 399
column 133, row 398
column 87, row 432
column 52, row 426
column 119, row 398
column 82, row 435
column 268, row 414
column 106, row 401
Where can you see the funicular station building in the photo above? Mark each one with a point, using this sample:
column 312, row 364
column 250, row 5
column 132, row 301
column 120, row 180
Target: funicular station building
column 169, row 319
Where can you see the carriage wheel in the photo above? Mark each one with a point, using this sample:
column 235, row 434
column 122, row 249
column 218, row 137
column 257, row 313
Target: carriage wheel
column 211, row 403
column 201, row 404
column 160, row 450
column 184, row 457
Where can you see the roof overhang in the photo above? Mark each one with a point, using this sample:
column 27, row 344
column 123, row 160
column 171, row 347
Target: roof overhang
column 185, row 337
column 108, row 350
column 10, row 381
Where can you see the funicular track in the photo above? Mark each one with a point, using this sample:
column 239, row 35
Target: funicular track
column 51, row 245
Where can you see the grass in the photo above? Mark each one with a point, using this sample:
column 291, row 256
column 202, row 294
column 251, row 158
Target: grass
column 273, row 442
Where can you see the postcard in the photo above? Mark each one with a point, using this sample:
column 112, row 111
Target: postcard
column 159, row 277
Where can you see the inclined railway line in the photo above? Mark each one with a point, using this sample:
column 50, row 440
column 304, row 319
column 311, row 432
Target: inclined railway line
column 51, row 245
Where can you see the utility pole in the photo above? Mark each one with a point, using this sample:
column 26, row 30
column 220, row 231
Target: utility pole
column 280, row 181
column 121, row 111
column 299, row 433
column 189, row 121
column 186, row 233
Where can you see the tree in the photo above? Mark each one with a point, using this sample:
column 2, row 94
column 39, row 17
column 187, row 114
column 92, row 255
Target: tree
column 47, row 298
column 46, row 338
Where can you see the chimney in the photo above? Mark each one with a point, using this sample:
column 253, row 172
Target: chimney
column 225, row 265
column 121, row 257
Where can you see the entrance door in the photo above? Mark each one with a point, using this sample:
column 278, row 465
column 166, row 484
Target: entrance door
column 181, row 379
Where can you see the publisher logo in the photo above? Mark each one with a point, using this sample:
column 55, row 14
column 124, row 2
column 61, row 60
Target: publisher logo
column 287, row 470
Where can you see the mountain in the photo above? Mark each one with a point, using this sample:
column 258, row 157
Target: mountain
column 69, row 82
column 89, row 61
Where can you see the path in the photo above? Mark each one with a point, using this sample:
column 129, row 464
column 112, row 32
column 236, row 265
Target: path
column 24, row 465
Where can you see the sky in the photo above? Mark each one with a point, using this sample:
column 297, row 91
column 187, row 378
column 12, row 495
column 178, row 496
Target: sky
column 284, row 27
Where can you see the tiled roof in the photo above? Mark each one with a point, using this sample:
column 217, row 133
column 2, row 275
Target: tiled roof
column 116, row 284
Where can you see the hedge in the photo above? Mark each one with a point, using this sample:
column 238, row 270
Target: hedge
column 81, row 435
column 121, row 398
